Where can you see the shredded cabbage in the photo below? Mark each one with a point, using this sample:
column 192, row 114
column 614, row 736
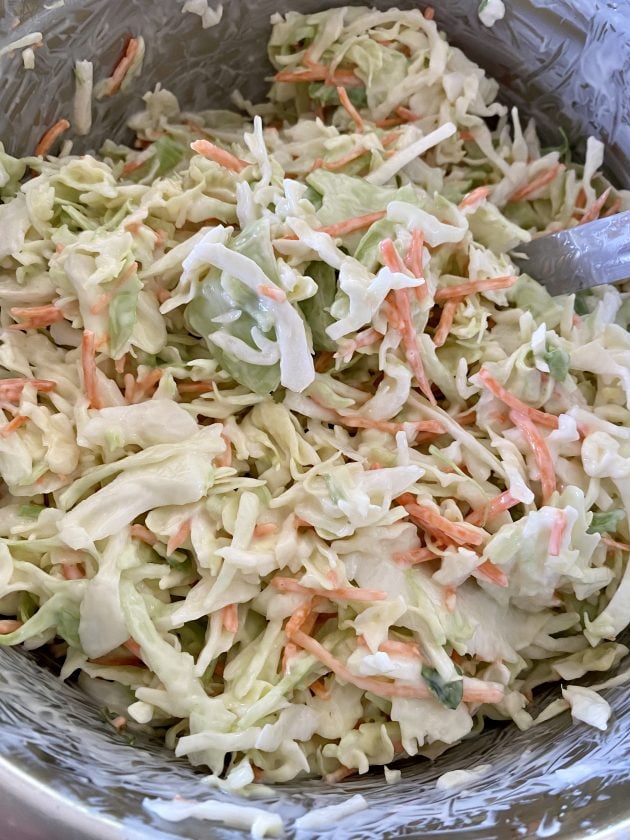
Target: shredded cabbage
column 299, row 469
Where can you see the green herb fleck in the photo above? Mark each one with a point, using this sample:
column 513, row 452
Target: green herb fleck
column 450, row 694
column 559, row 362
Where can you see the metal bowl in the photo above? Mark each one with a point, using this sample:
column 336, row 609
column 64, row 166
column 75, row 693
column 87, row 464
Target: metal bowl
column 64, row 773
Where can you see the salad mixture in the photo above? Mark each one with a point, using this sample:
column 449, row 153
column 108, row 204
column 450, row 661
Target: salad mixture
column 299, row 469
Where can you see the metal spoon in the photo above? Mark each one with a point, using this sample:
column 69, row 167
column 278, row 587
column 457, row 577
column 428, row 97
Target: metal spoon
column 583, row 256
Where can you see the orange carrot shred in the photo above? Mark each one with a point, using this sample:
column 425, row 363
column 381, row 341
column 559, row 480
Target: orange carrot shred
column 596, row 207
column 445, row 324
column 474, row 198
column 13, row 425
column 319, row 689
column 229, row 615
column 557, row 533
column 141, row 532
column 464, row 289
column 538, row 183
column 504, row 501
column 134, row 647
column 405, row 323
column 200, row 386
column 88, row 363
column 614, row 545
column 434, row 523
column 492, row 573
column 407, row 115
column 429, row 13
column 355, row 116
column 415, row 556
column 265, row 529
column 221, row 156
column 72, row 571
column 122, row 67
column 333, row 165
column 9, row 625
column 497, row 390
column 540, row 451
column 179, row 537
column 36, row 316
column 345, row 593
column 49, row 137
column 271, row 292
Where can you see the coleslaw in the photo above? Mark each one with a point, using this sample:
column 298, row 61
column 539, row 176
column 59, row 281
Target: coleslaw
column 299, row 469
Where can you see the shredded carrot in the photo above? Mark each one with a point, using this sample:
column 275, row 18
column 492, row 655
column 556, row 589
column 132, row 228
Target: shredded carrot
column 450, row 598
column 221, row 156
column 540, row 451
column 550, row 421
column 319, row 689
column 88, row 363
column 229, row 616
column 413, row 257
column 72, row 571
column 35, row 316
column 134, row 647
column 490, row 572
column 199, row 386
column 613, row 544
column 467, row 418
column 406, row 115
column 122, row 67
column 9, row 625
column 429, row 13
column 464, row 289
column 121, row 660
column 403, row 307
column 557, row 533
column 344, row 593
column 225, row 459
column 434, row 523
column 130, row 387
column 390, row 138
column 333, row 165
column 502, row 502
column 105, row 299
column 49, row 137
column 354, row 115
column 303, row 616
column 352, row 225
column 271, row 292
column 476, row 691
column 265, row 529
column 389, row 122
column 348, row 226
column 415, row 556
column 538, row 183
column 596, row 207
column 163, row 295
column 357, row 422
column 340, row 774
column 143, row 386
column 362, row 339
column 131, row 166
column 320, row 73
column 406, row 650
column 474, row 198
column 11, row 389
column 13, row 425
column 141, row 532
column 119, row 723
column 445, row 325
column 179, row 537
column 466, row 135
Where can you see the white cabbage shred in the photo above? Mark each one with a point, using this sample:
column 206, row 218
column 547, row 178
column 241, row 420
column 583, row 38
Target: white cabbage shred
column 294, row 460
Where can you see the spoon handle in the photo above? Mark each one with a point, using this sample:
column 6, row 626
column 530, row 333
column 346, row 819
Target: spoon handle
column 583, row 256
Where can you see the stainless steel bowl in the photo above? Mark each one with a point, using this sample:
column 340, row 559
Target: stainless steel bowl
column 64, row 773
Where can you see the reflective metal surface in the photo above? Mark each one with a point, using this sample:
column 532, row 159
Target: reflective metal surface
column 64, row 773
column 579, row 258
